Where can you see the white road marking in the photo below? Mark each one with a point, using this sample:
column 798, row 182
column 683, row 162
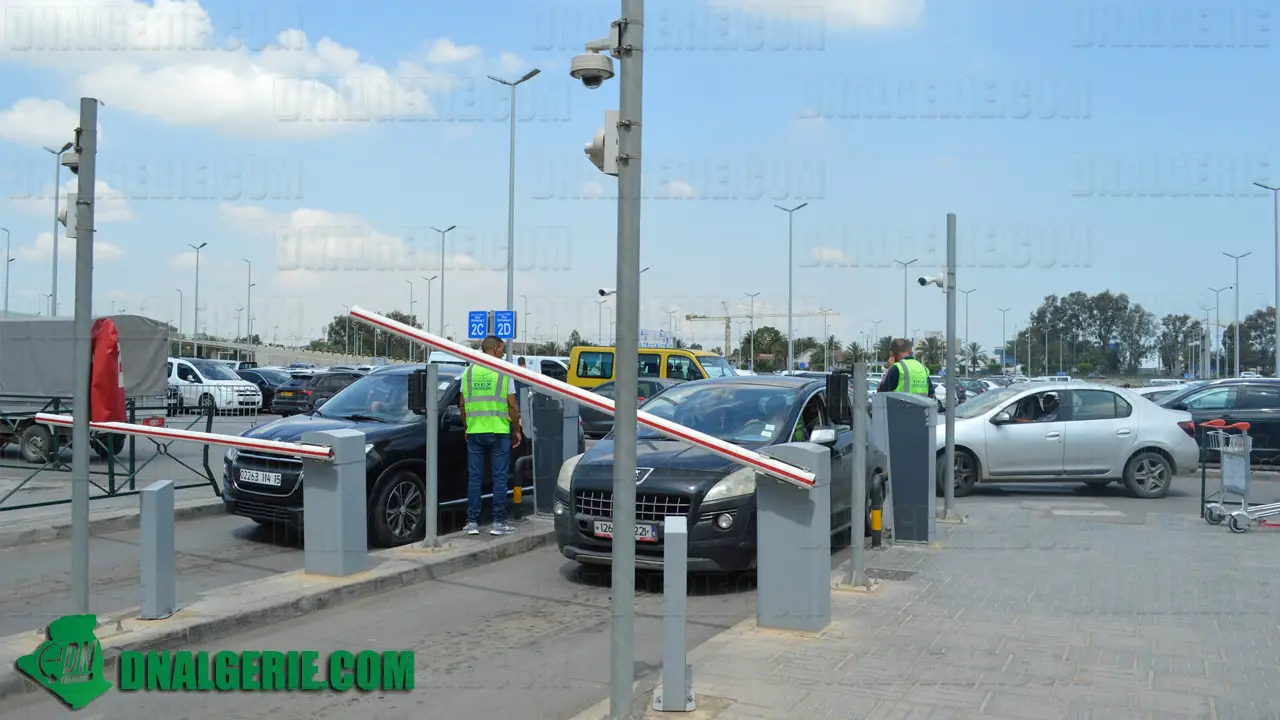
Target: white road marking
column 1088, row 513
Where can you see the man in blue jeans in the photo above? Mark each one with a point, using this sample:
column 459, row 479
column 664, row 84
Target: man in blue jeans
column 491, row 416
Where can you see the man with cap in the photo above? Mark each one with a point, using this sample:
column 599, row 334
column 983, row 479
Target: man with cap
column 491, row 416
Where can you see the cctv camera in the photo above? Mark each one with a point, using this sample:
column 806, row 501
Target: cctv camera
column 71, row 161
column 940, row 280
column 605, row 292
column 923, row 281
column 592, row 69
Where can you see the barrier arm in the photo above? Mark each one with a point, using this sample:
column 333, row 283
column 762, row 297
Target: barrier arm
column 775, row 468
column 274, row 447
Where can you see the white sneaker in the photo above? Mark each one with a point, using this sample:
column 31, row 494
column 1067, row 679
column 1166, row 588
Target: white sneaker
column 502, row 529
column 472, row 529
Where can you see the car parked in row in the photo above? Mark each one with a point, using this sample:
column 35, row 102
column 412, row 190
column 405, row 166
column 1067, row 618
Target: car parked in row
column 1069, row 432
column 715, row 494
column 597, row 424
column 209, row 385
column 304, row 392
column 267, row 380
column 1252, row 400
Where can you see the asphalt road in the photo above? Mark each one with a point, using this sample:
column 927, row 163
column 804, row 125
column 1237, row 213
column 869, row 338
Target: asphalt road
column 524, row 638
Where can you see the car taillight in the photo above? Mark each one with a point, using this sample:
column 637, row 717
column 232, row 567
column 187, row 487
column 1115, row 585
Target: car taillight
column 640, row 399
column 307, row 392
column 1188, row 427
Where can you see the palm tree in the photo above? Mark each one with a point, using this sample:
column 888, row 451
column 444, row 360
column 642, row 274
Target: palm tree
column 973, row 356
column 854, row 352
column 883, row 346
column 930, row 351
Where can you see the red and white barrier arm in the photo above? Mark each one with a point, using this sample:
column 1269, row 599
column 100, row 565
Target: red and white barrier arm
column 274, row 447
column 736, row 453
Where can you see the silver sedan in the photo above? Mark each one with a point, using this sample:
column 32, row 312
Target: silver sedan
column 1097, row 435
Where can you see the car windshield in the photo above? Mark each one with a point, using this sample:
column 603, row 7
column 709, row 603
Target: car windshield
column 716, row 366
column 380, row 397
column 985, row 402
column 737, row 413
column 214, row 370
column 274, row 376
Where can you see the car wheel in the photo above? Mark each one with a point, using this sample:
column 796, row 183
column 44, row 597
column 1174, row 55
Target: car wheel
column 966, row 473
column 398, row 511
column 36, row 443
column 108, row 444
column 207, row 403
column 1148, row 475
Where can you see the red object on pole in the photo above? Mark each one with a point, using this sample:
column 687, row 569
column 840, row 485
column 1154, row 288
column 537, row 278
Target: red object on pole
column 106, row 374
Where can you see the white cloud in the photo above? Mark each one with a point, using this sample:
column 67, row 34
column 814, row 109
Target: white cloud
column 511, row 64
column 42, row 249
column 185, row 260
column 592, row 189
column 825, row 254
column 110, row 204
column 875, row 14
column 36, row 122
column 165, row 61
column 679, row 189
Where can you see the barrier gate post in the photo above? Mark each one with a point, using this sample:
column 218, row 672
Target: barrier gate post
column 547, row 419
column 793, row 543
column 675, row 694
column 335, row 520
column 908, row 422
column 155, row 520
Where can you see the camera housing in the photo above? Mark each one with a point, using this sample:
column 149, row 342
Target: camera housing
column 605, row 292
column 71, row 161
column 592, row 69
column 940, row 280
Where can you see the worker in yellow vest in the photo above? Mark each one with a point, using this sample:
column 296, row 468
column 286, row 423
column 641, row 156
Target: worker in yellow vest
column 491, row 416
column 905, row 373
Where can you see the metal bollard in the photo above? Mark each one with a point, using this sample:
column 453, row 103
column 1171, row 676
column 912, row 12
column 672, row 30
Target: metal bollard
column 877, row 511
column 159, row 598
column 677, row 674
column 432, row 479
column 335, row 519
column 856, row 576
column 793, row 531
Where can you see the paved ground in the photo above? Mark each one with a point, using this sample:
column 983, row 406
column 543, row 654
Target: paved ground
column 524, row 638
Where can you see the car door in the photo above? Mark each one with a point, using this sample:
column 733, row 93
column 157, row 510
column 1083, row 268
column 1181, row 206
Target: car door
column 1101, row 429
column 593, row 420
column 1260, row 407
column 1025, row 447
column 188, row 382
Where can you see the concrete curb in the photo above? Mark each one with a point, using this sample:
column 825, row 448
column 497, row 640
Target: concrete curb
column 239, row 608
column 26, row 531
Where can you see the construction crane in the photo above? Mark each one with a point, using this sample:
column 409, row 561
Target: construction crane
column 728, row 322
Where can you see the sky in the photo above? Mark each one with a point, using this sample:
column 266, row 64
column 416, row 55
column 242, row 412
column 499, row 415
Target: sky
column 315, row 147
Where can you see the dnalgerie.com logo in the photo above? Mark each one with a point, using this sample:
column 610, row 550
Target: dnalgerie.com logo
column 70, row 665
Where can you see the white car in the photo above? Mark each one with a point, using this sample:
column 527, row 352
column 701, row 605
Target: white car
column 1249, row 374
column 1100, row 434
column 200, row 383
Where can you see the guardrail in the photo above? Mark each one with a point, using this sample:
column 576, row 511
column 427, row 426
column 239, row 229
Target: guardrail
column 774, row 468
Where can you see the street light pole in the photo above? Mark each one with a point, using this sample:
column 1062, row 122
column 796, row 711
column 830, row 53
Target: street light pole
column 1004, row 335
column 57, row 195
column 790, row 283
column 411, row 304
column 599, row 321
column 1205, row 370
column 511, row 199
column 1216, row 347
column 346, row 336
column 826, row 340
column 905, row 285
column 751, row 315
column 426, row 319
column 443, row 233
column 1275, row 196
column 1235, row 344
column 524, row 325
column 966, row 327
column 8, row 258
column 195, row 337
column 248, row 303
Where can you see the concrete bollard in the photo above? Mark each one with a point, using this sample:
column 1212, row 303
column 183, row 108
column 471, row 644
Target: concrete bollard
column 159, row 596
column 793, row 543
column 335, row 517
column 677, row 674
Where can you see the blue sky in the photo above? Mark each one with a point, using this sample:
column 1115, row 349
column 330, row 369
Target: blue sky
column 1082, row 147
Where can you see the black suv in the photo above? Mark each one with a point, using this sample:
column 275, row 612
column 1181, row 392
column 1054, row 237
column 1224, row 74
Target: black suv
column 268, row 488
column 1252, row 400
column 304, row 392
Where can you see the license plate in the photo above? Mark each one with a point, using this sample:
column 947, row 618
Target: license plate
column 644, row 533
column 260, row 478
column 286, row 393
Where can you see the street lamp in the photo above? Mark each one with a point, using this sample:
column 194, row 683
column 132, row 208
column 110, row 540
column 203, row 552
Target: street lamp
column 412, row 302
column 751, row 315
column 443, row 233
column 524, row 325
column 248, row 303
column 1004, row 335
column 1275, row 196
column 905, row 285
column 791, row 213
column 875, row 334
column 826, row 339
column 599, row 321
column 511, row 198
column 48, row 297
column 195, row 348
column 347, row 335
column 239, row 314
column 1236, row 342
column 426, row 319
column 8, row 258
column 1217, row 329
column 966, row 329
column 1206, row 371
column 57, row 193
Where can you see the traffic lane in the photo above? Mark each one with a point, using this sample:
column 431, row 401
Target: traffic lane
column 211, row 552
column 527, row 637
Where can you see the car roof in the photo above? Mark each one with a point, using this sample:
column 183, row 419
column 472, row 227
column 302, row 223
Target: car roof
column 777, row 381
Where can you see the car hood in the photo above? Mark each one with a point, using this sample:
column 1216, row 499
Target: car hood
column 291, row 429
column 671, row 466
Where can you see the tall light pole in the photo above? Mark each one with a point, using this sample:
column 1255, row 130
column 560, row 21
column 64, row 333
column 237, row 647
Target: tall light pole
column 346, row 336
column 1235, row 344
column 8, row 258
column 1004, row 336
column 57, row 193
column 412, row 302
column 671, row 325
column 48, row 299
column 599, row 321
column 875, row 336
column 511, row 199
column 1217, row 329
column 443, row 233
column 905, row 284
column 181, row 309
column 195, row 337
column 791, row 346
column 239, row 314
column 524, row 324
column 1275, row 196
column 1206, row 340
column 248, row 303
column 751, row 315
column 426, row 321
column 966, row 327
column 1015, row 348
column 826, row 339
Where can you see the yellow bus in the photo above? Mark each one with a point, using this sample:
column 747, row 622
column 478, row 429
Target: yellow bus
column 592, row 366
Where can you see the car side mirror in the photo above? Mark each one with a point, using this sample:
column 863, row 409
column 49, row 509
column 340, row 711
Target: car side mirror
column 1002, row 418
column 823, row 436
column 452, row 416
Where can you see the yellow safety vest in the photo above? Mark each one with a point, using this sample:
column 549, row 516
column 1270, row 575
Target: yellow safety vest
column 484, row 399
column 913, row 377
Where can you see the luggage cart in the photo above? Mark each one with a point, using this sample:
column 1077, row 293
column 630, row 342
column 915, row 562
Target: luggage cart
column 1235, row 459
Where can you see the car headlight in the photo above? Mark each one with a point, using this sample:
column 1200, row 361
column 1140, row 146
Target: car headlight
column 232, row 454
column 566, row 472
column 739, row 483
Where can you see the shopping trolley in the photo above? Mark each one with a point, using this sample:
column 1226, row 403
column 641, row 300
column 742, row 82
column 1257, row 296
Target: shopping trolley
column 1235, row 451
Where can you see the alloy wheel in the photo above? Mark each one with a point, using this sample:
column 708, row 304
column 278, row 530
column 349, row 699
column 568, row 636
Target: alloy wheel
column 1151, row 475
column 404, row 509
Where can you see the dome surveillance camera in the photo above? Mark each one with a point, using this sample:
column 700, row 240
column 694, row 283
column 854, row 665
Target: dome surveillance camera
column 71, row 161
column 592, row 69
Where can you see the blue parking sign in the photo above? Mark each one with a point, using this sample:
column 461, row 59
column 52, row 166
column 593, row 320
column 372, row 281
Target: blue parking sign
column 477, row 324
column 504, row 324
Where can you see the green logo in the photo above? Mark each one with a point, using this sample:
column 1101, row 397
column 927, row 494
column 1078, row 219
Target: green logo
column 69, row 663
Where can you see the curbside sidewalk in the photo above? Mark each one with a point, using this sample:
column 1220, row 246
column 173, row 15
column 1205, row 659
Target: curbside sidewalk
column 48, row 526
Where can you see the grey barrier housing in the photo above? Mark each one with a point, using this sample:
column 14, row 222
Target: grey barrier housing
column 336, row 541
column 155, row 519
column 431, row 538
column 793, row 541
column 555, row 426
column 677, row 674
column 907, row 425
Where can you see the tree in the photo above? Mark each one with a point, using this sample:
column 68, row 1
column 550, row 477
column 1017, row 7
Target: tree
column 575, row 340
column 972, row 356
column 931, row 352
column 1136, row 335
column 882, row 348
column 361, row 341
column 1173, row 343
column 854, row 352
column 770, row 347
column 1257, row 341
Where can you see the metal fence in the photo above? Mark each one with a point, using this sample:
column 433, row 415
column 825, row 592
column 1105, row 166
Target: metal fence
column 240, row 401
